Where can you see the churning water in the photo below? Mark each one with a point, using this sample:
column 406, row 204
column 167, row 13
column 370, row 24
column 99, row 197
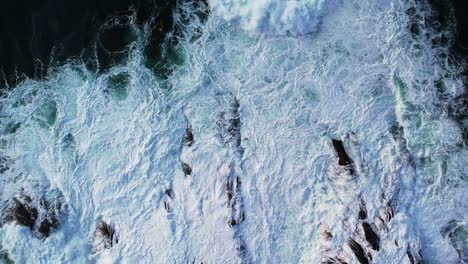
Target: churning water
column 258, row 143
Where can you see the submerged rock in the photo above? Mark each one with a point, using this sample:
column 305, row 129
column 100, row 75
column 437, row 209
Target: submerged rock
column 188, row 136
column 105, row 236
column 117, row 86
column 5, row 257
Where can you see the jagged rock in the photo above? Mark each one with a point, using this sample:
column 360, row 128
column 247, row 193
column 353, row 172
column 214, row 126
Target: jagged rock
column 169, row 193
column 4, row 164
column 229, row 124
column 188, row 136
column 415, row 259
column 105, row 236
column 371, row 236
column 343, row 158
column 358, row 251
column 41, row 219
column 362, row 211
column 186, row 168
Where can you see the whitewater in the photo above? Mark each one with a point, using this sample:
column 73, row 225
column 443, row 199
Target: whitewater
column 234, row 157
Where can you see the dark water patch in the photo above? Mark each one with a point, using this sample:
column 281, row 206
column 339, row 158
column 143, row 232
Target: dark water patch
column 457, row 234
column 117, row 86
column 444, row 12
column 11, row 127
column 46, row 115
column 5, row 163
column 33, row 30
column 113, row 42
column 358, row 251
column 449, row 18
column 5, row 257
column 161, row 49
column 458, row 110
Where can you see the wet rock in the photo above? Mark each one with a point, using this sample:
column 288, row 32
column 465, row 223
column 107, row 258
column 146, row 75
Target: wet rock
column 167, row 206
column 50, row 220
column 24, row 213
column 105, row 236
column 169, row 193
column 229, row 194
column 371, row 236
column 229, row 124
column 41, row 216
column 343, row 158
column 390, row 212
column 334, row 261
column 4, row 164
column 362, row 211
column 240, row 247
column 232, row 222
column 358, row 251
column 414, row 259
column 186, row 168
column 188, row 136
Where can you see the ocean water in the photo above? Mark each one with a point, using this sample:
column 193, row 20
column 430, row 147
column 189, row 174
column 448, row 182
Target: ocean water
column 275, row 132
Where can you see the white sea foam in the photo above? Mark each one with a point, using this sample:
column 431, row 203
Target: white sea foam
column 295, row 17
column 295, row 94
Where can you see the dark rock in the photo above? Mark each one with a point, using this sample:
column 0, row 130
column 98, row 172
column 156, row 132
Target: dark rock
column 343, row 158
column 229, row 124
column 240, row 247
column 186, row 168
column 358, row 251
column 24, row 213
column 371, row 236
column 167, row 206
column 232, row 222
column 4, row 164
column 106, row 234
column 334, row 261
column 362, row 211
column 188, row 136
column 170, row 193
column 414, row 259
